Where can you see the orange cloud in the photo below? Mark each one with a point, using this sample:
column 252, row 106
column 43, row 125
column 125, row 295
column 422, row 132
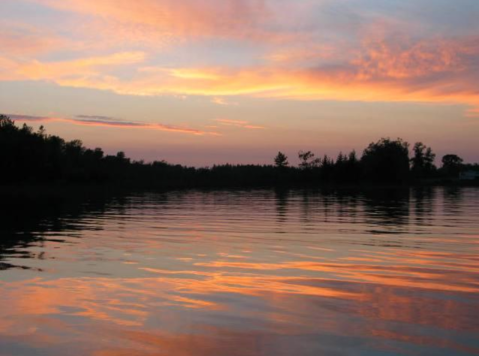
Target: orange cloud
column 305, row 84
column 299, row 54
column 415, row 76
column 386, row 59
column 84, row 67
column 101, row 121
column 222, row 101
column 169, row 20
column 380, row 66
column 239, row 123
column 26, row 40
column 473, row 112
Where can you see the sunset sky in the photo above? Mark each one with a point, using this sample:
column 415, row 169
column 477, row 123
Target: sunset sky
column 199, row 82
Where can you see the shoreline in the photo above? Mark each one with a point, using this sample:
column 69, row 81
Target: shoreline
column 86, row 190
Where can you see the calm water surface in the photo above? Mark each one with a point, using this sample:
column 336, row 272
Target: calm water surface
column 246, row 273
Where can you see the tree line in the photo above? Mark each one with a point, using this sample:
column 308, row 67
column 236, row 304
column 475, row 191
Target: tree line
column 35, row 157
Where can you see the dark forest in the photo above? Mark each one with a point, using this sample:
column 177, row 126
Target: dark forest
column 35, row 157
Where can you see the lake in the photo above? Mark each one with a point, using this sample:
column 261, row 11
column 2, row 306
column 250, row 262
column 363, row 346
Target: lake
column 242, row 273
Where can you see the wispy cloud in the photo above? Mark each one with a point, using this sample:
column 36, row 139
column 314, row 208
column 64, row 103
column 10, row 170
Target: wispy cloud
column 80, row 68
column 239, row 123
column 104, row 121
column 17, row 39
column 473, row 112
column 372, row 52
column 223, row 102
column 170, row 20
column 382, row 70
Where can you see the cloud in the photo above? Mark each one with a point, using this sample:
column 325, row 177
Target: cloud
column 223, row 102
column 331, row 51
column 473, row 112
column 104, row 121
column 18, row 39
column 434, row 72
column 170, row 20
column 239, row 123
column 303, row 55
column 84, row 67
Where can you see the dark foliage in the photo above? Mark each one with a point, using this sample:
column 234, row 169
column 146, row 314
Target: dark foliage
column 452, row 164
column 281, row 160
column 422, row 162
column 29, row 157
column 386, row 161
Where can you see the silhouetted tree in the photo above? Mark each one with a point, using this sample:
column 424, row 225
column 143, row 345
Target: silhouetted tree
column 307, row 160
column 452, row 165
column 386, row 162
column 422, row 162
column 28, row 156
column 6, row 122
column 352, row 174
column 340, row 167
column 327, row 169
column 281, row 160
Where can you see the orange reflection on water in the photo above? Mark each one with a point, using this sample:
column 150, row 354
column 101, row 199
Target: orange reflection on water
column 231, row 286
column 413, row 277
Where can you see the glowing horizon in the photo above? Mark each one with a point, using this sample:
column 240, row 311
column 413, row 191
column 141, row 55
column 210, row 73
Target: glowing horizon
column 237, row 80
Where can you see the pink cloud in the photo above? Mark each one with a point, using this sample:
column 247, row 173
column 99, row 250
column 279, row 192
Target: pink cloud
column 169, row 19
column 103, row 121
column 384, row 62
column 18, row 39
column 239, row 123
column 223, row 102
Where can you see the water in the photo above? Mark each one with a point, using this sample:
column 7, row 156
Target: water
column 242, row 273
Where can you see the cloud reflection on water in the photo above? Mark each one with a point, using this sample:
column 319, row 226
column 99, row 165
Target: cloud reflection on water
column 244, row 273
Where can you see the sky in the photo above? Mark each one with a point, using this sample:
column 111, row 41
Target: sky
column 199, row 82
